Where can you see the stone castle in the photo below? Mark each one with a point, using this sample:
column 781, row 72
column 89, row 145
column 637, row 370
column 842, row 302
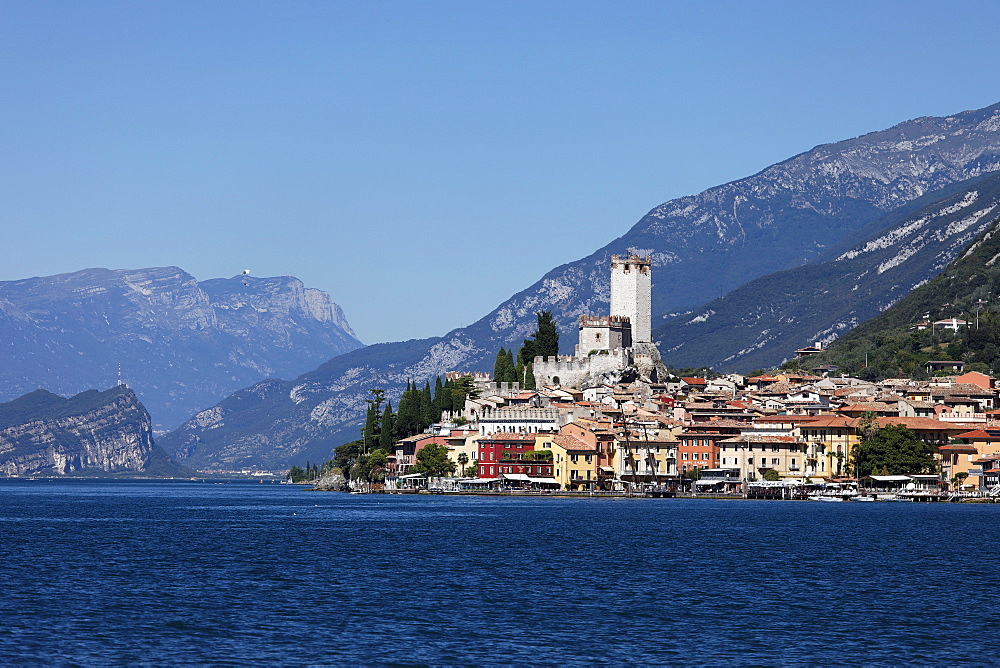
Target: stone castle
column 616, row 347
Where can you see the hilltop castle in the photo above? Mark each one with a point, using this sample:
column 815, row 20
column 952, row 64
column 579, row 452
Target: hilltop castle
column 615, row 347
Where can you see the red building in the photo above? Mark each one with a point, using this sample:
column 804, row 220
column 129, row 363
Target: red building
column 512, row 454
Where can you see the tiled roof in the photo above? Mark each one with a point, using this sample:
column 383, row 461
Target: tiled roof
column 572, row 443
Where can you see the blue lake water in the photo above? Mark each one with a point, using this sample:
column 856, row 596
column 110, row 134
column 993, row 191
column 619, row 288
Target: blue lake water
column 98, row 572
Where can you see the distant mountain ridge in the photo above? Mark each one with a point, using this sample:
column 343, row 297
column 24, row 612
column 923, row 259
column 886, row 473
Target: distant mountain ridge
column 702, row 246
column 760, row 324
column 92, row 432
column 181, row 344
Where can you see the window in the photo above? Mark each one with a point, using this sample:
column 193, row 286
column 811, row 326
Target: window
column 774, row 461
column 685, row 456
column 750, row 461
column 704, row 455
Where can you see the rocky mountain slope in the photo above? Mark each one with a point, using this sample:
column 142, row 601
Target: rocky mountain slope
column 887, row 346
column 702, row 246
column 106, row 432
column 760, row 324
column 181, row 344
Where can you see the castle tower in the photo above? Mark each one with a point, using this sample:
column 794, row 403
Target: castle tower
column 631, row 294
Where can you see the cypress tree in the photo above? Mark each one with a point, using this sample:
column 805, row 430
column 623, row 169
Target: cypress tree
column 387, row 437
column 509, row 371
column 529, row 377
column 519, row 371
column 547, row 335
column 544, row 342
column 370, row 432
column 499, row 366
column 426, row 407
column 406, row 418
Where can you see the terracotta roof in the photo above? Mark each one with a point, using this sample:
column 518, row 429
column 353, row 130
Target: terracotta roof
column 572, row 443
column 980, row 434
column 695, row 381
column 960, row 449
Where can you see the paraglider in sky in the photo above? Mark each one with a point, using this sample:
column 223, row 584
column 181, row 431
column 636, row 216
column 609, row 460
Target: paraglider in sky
column 246, row 272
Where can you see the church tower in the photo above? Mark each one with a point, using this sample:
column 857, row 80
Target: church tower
column 631, row 294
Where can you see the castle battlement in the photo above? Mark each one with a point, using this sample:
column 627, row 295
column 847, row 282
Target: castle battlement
column 603, row 320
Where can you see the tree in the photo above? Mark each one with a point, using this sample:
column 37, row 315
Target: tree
column 433, row 460
column 463, row 459
column 345, row 455
column 529, row 377
column 500, row 366
column 895, row 450
column 387, row 436
column 428, row 414
column 771, row 475
column 296, row 474
column 545, row 340
column 408, row 417
column 372, row 426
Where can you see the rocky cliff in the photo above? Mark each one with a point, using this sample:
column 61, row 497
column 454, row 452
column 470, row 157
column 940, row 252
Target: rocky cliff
column 808, row 208
column 183, row 345
column 107, row 432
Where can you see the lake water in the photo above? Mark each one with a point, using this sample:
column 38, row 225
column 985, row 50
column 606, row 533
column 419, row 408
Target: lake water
column 98, row 572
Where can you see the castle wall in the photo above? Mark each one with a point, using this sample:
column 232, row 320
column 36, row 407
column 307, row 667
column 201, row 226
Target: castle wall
column 571, row 371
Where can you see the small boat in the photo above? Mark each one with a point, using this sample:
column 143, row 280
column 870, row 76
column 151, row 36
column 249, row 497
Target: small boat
column 863, row 498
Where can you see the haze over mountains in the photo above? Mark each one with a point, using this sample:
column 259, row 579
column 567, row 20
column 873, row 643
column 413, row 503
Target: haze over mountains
column 809, row 208
column 182, row 345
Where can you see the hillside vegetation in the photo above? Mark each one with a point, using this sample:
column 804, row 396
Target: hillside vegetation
column 888, row 346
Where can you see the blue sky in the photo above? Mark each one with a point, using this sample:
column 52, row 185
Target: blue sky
column 422, row 161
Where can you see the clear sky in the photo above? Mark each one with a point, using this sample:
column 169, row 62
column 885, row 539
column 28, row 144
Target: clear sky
column 422, row 161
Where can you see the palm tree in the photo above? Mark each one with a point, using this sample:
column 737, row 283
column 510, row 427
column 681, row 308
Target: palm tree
column 463, row 459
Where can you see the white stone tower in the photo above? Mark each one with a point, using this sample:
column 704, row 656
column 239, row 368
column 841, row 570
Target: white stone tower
column 631, row 294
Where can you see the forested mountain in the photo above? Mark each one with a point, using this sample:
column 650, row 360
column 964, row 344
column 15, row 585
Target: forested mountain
column 891, row 346
column 181, row 344
column 760, row 324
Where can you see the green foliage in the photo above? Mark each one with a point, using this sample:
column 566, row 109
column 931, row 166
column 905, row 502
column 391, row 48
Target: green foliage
column 472, row 471
column 433, row 460
column 886, row 347
column 893, row 450
column 345, row 455
column 771, row 475
column 544, row 342
column 529, row 377
column 296, row 474
column 387, row 435
column 463, row 459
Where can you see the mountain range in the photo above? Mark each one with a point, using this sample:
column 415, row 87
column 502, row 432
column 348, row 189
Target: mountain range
column 180, row 343
column 810, row 208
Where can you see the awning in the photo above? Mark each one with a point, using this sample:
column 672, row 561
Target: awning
column 520, row 477
column 544, row 481
column 476, row 481
column 891, row 478
column 607, row 469
column 412, row 475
